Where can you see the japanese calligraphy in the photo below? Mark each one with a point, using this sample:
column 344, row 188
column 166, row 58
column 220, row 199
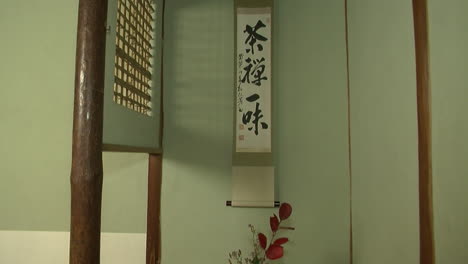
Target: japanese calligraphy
column 256, row 68
column 253, row 36
column 253, row 84
column 257, row 115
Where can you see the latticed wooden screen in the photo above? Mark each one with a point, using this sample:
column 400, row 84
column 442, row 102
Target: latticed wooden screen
column 133, row 71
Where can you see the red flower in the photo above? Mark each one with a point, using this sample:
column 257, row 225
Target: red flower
column 274, row 252
column 274, row 249
column 285, row 211
column 263, row 240
column 274, row 223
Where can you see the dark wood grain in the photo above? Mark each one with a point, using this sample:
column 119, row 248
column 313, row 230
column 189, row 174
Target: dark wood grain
column 86, row 172
column 427, row 255
column 153, row 229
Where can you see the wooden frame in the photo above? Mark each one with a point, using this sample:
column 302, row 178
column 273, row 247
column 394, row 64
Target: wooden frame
column 350, row 168
column 153, row 229
column 426, row 225
column 87, row 168
column 124, row 130
column 130, row 149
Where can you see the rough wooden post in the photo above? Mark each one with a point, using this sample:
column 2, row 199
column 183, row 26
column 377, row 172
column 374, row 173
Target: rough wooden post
column 427, row 252
column 86, row 172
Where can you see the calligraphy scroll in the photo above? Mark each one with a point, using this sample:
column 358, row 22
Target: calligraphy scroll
column 253, row 80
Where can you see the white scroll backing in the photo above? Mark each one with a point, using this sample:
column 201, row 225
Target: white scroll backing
column 253, row 186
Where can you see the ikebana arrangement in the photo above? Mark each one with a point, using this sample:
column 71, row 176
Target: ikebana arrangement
column 262, row 250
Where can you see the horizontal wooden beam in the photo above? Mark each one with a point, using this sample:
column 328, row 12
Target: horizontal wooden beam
column 130, row 149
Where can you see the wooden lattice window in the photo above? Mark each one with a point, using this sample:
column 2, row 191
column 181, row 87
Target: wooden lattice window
column 135, row 31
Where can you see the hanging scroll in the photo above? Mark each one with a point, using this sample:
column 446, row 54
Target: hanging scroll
column 253, row 80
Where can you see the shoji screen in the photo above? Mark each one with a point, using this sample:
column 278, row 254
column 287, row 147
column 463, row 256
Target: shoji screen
column 132, row 103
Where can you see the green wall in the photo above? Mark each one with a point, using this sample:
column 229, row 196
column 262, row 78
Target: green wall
column 383, row 132
column 37, row 72
column 310, row 136
column 449, row 65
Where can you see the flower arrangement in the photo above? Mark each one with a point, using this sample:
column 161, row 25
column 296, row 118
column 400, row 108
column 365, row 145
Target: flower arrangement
column 262, row 250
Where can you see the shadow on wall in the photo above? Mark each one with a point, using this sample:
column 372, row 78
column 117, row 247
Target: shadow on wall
column 115, row 162
column 310, row 101
column 198, row 81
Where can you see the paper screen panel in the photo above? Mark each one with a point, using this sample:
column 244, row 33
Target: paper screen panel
column 135, row 29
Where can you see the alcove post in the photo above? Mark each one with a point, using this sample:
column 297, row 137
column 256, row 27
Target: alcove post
column 87, row 172
column 426, row 225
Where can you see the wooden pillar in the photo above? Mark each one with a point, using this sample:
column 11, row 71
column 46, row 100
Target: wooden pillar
column 153, row 232
column 350, row 163
column 427, row 254
column 86, row 172
column 153, row 215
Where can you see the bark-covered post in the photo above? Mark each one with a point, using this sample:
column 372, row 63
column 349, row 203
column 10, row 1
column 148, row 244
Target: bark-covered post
column 86, row 172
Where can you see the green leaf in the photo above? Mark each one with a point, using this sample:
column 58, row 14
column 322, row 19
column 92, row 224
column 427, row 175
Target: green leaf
column 256, row 261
